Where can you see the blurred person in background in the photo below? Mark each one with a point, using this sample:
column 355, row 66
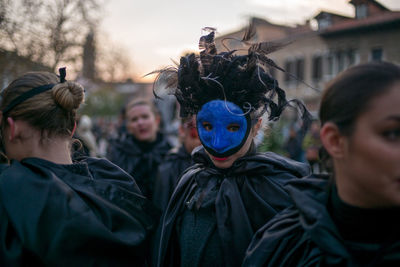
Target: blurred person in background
column 176, row 162
column 141, row 150
column 293, row 146
column 350, row 217
column 311, row 145
column 53, row 211
column 87, row 145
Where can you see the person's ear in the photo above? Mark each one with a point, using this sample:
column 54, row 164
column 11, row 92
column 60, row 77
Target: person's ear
column 333, row 140
column 257, row 127
column 13, row 128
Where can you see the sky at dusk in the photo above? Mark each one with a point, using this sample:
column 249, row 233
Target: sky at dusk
column 155, row 31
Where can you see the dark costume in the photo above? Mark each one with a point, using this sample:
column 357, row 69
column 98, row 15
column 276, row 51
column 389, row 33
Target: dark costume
column 139, row 159
column 293, row 148
column 89, row 213
column 169, row 172
column 79, row 148
column 322, row 230
column 214, row 213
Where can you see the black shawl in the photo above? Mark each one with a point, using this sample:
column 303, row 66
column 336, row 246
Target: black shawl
column 139, row 159
column 306, row 235
column 169, row 172
column 248, row 194
column 84, row 214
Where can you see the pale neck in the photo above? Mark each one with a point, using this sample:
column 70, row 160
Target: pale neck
column 55, row 150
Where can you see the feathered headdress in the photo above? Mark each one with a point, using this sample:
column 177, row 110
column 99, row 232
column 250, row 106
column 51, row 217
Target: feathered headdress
column 241, row 79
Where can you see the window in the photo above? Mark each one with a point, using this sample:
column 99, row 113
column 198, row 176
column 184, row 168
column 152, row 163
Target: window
column 324, row 23
column 351, row 57
column 300, row 68
column 329, row 65
column 317, row 68
column 376, row 54
column 340, row 61
column 289, row 67
column 294, row 68
column 361, row 11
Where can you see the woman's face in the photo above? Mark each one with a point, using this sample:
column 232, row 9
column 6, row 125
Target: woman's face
column 370, row 165
column 142, row 123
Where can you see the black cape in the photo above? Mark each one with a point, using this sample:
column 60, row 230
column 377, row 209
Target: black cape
column 141, row 160
column 248, row 194
column 305, row 235
column 89, row 213
column 169, row 172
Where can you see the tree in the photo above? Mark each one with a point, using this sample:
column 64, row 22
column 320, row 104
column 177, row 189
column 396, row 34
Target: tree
column 113, row 63
column 47, row 31
column 104, row 102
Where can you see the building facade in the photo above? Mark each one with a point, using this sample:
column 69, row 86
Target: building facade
column 314, row 55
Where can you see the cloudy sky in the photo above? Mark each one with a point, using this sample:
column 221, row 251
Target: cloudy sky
column 156, row 31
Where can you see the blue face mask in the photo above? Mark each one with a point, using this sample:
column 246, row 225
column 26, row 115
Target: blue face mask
column 222, row 131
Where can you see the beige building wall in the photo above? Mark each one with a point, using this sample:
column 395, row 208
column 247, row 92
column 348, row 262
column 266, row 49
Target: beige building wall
column 316, row 57
column 386, row 39
column 305, row 48
column 360, row 44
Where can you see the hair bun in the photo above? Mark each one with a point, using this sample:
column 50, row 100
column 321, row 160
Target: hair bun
column 69, row 95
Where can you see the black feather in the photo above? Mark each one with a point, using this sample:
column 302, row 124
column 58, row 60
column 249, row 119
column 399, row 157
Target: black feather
column 249, row 33
column 241, row 79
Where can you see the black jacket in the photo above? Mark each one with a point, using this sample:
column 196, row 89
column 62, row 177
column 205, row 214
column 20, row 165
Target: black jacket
column 306, row 235
column 85, row 214
column 169, row 172
column 139, row 159
column 243, row 197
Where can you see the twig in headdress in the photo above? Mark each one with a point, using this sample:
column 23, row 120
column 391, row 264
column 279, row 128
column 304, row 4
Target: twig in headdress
column 174, row 61
column 209, row 29
column 208, row 50
column 266, row 48
column 168, row 74
column 303, row 82
column 249, row 33
column 271, row 63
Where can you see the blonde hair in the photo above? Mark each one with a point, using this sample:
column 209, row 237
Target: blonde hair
column 52, row 111
column 142, row 101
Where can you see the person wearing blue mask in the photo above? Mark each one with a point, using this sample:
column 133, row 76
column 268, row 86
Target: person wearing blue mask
column 231, row 190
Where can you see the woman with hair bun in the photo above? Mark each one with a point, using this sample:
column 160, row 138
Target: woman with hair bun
column 353, row 218
column 55, row 212
column 231, row 190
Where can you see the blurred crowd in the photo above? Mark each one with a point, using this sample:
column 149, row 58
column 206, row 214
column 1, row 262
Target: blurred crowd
column 224, row 175
column 288, row 138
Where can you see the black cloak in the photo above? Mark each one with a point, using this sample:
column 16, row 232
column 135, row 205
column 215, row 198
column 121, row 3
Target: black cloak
column 139, row 159
column 169, row 172
column 243, row 198
column 89, row 213
column 306, row 235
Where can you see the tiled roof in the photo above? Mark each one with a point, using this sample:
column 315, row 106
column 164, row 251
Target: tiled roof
column 322, row 13
column 376, row 3
column 385, row 18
